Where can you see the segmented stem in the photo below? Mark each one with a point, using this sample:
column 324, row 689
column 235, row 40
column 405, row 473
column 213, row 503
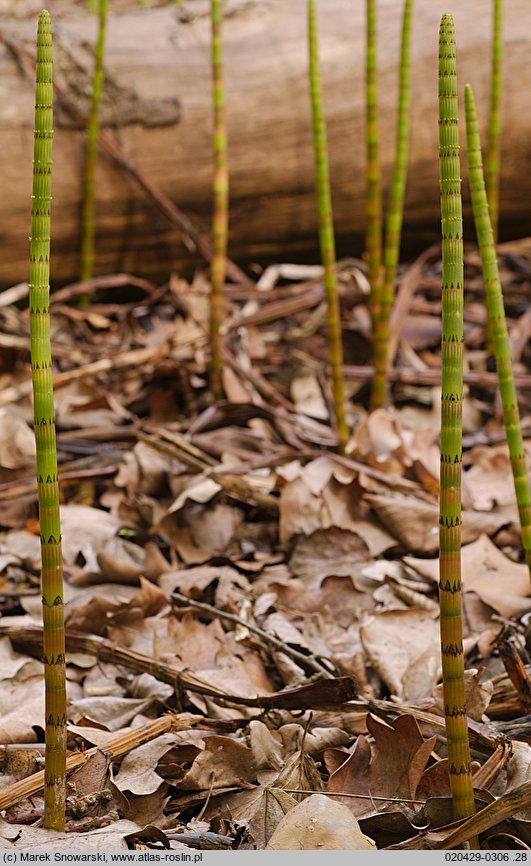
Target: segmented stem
column 220, row 221
column 492, row 161
column 451, row 429
column 93, row 131
column 395, row 213
column 48, row 487
column 373, row 204
column 498, row 323
column 326, row 231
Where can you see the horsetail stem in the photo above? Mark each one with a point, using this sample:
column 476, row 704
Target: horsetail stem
column 395, row 213
column 93, row 131
column 220, row 220
column 492, row 162
column 451, row 430
column 373, row 204
column 498, row 323
column 48, row 487
column 326, row 231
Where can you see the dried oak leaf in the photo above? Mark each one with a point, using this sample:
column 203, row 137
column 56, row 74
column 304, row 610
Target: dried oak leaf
column 224, row 763
column 415, row 523
column 319, row 824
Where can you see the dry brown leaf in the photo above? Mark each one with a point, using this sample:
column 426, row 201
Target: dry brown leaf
column 267, row 751
column 400, row 755
column 489, row 480
column 103, row 839
column 498, row 581
column 308, row 396
column 137, row 771
column 392, row 767
column 85, row 532
column 352, row 776
column 315, row 741
column 299, row 773
column 108, row 710
column 17, row 441
column 327, row 552
column 377, row 440
column 319, row 824
column 273, row 805
column 416, row 523
column 477, row 696
column 404, row 648
column 224, row 763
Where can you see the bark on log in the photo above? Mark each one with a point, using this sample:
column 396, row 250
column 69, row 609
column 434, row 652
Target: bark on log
column 163, row 53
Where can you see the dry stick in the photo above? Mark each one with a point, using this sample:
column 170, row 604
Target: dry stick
column 516, row 672
column 492, row 162
column 336, row 690
column 44, row 415
column 93, row 129
column 193, row 239
column 134, row 358
column 309, row 661
column 451, row 431
column 373, row 202
column 498, row 324
column 220, row 220
column 116, row 747
column 393, row 225
column 410, row 376
column 326, row 231
column 504, row 807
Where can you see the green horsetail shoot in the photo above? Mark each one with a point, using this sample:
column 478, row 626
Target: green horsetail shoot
column 451, row 431
column 498, row 322
column 492, row 162
column 93, row 130
column 395, row 214
column 220, row 219
column 373, row 203
column 48, row 486
column 326, row 231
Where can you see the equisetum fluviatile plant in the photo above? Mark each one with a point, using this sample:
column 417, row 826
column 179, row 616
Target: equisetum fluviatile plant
column 91, row 151
column 326, row 231
column 393, row 222
column 220, row 219
column 48, row 486
column 492, row 161
column 451, row 430
column 373, row 203
column 498, row 324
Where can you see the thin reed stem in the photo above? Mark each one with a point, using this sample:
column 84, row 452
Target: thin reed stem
column 220, row 220
column 492, row 161
column 373, row 204
column 93, row 130
column 44, row 420
column 451, row 431
column 395, row 214
column 326, row 231
column 498, row 323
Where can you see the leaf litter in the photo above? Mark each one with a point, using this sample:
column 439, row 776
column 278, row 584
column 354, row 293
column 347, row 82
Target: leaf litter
column 252, row 620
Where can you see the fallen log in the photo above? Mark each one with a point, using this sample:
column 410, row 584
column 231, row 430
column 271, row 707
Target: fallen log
column 158, row 105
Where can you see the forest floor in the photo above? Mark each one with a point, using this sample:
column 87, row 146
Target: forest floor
column 251, row 618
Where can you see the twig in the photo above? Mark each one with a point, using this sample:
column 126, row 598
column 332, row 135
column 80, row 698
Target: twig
column 116, row 747
column 516, row 671
column 307, row 661
column 134, row 358
column 327, row 692
column 504, row 807
column 432, row 377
